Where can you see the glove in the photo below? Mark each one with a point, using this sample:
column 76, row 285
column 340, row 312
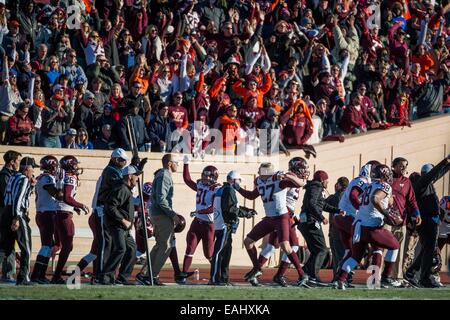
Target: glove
column 142, row 164
column 186, row 159
column 85, row 209
column 246, row 212
column 135, row 161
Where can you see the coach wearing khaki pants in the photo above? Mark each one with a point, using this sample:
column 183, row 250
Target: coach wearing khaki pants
column 163, row 217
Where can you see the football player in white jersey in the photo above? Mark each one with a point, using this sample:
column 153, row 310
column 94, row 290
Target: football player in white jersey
column 202, row 227
column 350, row 203
column 368, row 228
column 64, row 226
column 300, row 168
column 272, row 187
column 47, row 195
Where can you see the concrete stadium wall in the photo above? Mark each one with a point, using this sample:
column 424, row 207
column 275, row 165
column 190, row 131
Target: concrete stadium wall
column 427, row 141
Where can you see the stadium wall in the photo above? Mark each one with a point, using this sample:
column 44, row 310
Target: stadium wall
column 427, row 141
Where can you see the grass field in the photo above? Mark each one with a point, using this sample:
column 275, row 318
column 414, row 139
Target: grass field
column 198, row 292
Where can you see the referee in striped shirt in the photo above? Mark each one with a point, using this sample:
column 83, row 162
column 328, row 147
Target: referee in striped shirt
column 15, row 221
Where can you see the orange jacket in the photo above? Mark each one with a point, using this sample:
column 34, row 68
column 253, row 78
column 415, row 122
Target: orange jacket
column 426, row 62
column 144, row 81
column 293, row 112
column 230, row 131
column 258, row 93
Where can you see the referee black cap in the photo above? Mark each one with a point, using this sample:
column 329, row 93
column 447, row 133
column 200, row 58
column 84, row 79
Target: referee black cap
column 28, row 161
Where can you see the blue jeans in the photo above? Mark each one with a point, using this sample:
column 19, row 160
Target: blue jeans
column 446, row 110
column 49, row 141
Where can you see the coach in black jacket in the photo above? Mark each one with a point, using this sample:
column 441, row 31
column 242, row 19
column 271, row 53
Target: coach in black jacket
column 119, row 216
column 227, row 208
column 311, row 218
column 428, row 203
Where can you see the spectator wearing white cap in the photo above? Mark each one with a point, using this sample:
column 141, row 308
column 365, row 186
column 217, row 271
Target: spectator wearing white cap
column 68, row 141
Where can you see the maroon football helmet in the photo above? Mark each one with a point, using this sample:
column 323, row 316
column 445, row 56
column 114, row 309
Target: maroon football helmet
column 70, row 165
column 210, row 173
column 300, row 167
column 383, row 173
column 394, row 218
column 49, row 164
column 373, row 165
column 180, row 226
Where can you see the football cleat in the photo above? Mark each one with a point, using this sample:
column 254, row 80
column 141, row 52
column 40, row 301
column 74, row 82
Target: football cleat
column 281, row 280
column 388, row 282
column 143, row 280
column 410, row 279
column 303, row 281
column 339, row 285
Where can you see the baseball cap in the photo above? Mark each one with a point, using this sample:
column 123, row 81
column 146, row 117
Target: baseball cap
column 28, row 161
column 88, row 95
column 14, row 24
column 320, row 176
column 107, row 105
column 233, row 175
column 119, row 153
column 106, row 126
column 71, row 132
column 426, row 168
column 129, row 170
column 57, row 87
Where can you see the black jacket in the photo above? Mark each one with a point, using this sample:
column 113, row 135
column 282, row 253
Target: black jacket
column 229, row 204
column 111, row 178
column 84, row 118
column 427, row 200
column 159, row 130
column 118, row 206
column 140, row 132
column 5, row 174
column 314, row 202
column 429, row 96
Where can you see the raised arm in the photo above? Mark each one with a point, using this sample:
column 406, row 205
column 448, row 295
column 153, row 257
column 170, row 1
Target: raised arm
column 187, row 178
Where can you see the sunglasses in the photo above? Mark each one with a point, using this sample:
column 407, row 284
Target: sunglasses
column 178, row 97
column 137, row 87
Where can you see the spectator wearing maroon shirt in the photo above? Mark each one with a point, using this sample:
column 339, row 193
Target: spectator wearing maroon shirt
column 404, row 198
column 177, row 113
column 353, row 119
column 252, row 111
column 21, row 127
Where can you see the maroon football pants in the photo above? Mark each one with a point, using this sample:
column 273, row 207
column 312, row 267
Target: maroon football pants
column 45, row 223
column 199, row 231
column 65, row 229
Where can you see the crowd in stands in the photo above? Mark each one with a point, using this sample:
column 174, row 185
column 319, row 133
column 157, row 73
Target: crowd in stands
column 312, row 70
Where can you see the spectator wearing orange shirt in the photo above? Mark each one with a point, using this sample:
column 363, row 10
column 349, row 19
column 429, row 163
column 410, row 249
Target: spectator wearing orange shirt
column 423, row 58
column 253, row 90
column 230, row 127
